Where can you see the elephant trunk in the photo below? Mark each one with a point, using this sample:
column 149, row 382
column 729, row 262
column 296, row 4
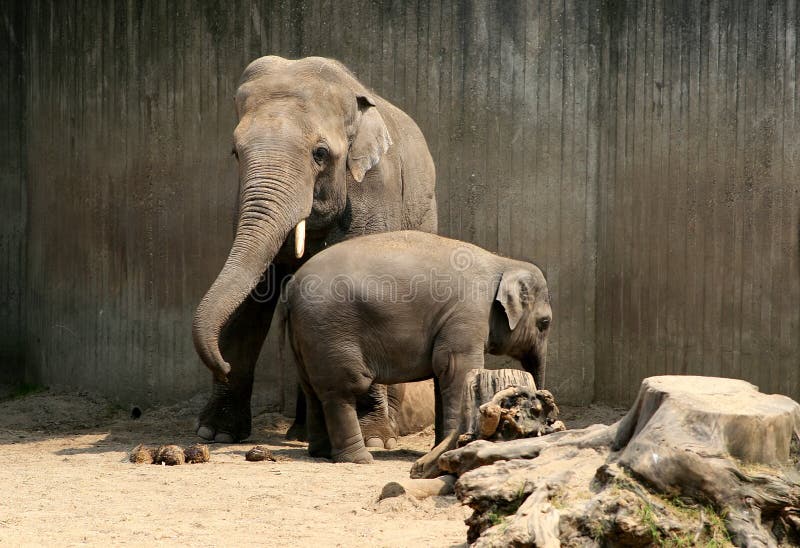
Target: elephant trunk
column 269, row 208
column 535, row 364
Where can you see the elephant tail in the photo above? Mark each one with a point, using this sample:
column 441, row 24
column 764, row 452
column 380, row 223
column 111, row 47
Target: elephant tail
column 281, row 319
column 283, row 323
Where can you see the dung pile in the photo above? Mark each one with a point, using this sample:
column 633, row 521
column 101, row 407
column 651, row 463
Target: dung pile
column 169, row 455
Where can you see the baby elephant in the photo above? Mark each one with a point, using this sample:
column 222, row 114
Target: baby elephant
column 406, row 306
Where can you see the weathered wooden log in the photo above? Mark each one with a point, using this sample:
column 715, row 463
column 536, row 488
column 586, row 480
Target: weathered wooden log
column 501, row 494
column 419, row 488
column 481, row 453
column 719, row 445
column 535, row 523
column 501, row 404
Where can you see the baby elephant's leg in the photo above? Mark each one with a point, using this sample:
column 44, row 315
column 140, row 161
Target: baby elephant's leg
column 319, row 443
column 451, row 370
column 451, row 384
column 347, row 443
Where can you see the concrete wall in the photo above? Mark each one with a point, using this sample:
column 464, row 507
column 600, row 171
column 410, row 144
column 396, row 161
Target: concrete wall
column 131, row 190
column 699, row 194
column 12, row 192
column 641, row 153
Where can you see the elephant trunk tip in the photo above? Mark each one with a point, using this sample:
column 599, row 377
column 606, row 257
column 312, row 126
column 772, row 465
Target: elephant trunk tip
column 210, row 353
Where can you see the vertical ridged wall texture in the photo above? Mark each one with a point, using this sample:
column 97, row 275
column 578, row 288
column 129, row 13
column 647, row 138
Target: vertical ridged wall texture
column 12, row 192
column 699, row 194
column 644, row 154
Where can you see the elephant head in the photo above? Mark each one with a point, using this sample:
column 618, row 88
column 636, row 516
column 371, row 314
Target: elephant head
column 520, row 320
column 304, row 128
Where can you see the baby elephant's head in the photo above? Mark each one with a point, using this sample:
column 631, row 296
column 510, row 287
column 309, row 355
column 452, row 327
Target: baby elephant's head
column 520, row 320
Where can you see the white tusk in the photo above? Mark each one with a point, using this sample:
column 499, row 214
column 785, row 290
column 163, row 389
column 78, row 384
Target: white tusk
column 300, row 239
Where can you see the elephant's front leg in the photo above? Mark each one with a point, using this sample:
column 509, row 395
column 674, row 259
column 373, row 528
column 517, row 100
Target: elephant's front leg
column 377, row 414
column 226, row 417
column 347, row 443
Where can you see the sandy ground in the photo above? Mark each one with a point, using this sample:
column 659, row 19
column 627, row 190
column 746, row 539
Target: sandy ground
column 66, row 481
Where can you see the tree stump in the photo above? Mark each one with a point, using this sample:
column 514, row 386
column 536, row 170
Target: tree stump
column 497, row 405
column 695, row 460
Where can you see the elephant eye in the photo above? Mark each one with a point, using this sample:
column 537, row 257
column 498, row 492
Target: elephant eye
column 543, row 324
column 320, row 154
column 235, row 153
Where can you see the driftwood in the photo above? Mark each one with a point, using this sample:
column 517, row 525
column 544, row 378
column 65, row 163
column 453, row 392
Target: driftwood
column 480, row 453
column 695, row 460
column 419, row 488
column 496, row 405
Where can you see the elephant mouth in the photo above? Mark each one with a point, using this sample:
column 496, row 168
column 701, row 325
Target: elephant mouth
column 302, row 242
column 313, row 233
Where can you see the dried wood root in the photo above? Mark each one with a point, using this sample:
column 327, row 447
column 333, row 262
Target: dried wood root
column 515, row 412
column 695, row 461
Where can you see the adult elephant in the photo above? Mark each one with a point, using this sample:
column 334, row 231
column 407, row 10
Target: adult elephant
column 321, row 159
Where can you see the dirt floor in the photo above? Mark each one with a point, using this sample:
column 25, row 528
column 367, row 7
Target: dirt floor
column 67, row 481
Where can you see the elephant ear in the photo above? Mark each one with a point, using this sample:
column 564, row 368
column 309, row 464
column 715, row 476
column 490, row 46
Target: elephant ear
column 515, row 286
column 370, row 141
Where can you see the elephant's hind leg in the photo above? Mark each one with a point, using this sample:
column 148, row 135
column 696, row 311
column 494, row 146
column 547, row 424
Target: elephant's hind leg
column 319, row 443
column 345, row 433
column 377, row 415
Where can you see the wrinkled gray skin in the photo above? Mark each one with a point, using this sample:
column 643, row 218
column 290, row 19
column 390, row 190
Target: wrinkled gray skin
column 407, row 306
column 312, row 144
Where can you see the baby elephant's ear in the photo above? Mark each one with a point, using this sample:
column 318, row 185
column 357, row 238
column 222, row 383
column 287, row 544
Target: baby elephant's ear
column 513, row 294
column 370, row 141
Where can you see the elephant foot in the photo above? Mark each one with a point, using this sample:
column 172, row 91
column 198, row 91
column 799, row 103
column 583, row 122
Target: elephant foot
column 389, row 443
column 377, row 415
column 379, row 431
column 225, row 418
column 427, row 466
column 358, row 456
column 297, row 432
